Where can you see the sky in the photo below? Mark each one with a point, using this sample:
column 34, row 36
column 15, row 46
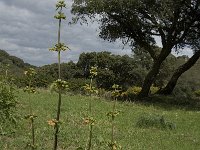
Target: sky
column 28, row 30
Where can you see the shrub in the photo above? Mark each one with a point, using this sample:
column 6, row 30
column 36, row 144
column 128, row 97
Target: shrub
column 154, row 89
column 134, row 90
column 131, row 93
column 184, row 95
column 76, row 85
column 154, row 121
column 8, row 102
column 197, row 93
column 183, row 91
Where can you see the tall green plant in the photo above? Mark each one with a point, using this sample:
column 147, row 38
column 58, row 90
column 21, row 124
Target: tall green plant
column 59, row 84
column 30, row 73
column 112, row 114
column 90, row 90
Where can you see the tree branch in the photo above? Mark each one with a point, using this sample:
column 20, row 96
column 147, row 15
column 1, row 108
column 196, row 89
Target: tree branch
column 136, row 35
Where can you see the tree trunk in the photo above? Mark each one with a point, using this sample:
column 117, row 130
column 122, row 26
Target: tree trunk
column 149, row 79
column 151, row 76
column 178, row 72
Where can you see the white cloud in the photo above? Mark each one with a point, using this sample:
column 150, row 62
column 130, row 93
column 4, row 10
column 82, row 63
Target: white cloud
column 28, row 29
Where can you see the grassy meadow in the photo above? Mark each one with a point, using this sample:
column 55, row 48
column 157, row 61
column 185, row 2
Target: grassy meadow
column 73, row 133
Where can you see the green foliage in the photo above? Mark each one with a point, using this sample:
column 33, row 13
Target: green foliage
column 197, row 93
column 123, row 70
column 111, row 69
column 59, row 86
column 60, row 4
column 116, row 91
column 8, row 103
column 191, row 78
column 60, row 46
column 16, row 68
column 154, row 89
column 29, row 89
column 134, row 90
column 5, row 58
column 144, row 62
column 30, row 74
column 131, row 93
column 49, row 73
column 58, row 16
column 29, row 77
column 112, row 115
column 137, row 23
column 183, row 92
column 105, row 78
column 90, row 90
column 154, row 121
column 76, row 85
column 93, row 72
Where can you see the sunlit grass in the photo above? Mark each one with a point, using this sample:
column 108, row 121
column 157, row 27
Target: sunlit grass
column 74, row 133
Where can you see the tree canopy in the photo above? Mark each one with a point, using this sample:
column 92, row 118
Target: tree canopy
column 139, row 22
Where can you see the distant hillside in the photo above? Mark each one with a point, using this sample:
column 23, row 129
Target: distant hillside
column 16, row 65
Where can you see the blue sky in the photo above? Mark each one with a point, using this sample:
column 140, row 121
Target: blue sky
column 28, row 29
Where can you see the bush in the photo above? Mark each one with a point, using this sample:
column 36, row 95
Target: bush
column 184, row 95
column 76, row 85
column 183, row 91
column 134, row 90
column 197, row 93
column 7, row 105
column 154, row 89
column 131, row 93
column 154, row 121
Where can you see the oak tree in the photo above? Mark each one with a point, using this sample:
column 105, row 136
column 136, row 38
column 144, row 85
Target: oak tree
column 140, row 22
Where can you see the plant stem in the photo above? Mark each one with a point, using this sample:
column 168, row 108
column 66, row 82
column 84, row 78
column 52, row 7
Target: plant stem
column 113, row 119
column 90, row 101
column 59, row 94
column 59, row 76
column 29, row 97
column 32, row 119
column 57, row 126
column 90, row 138
column 90, row 112
column 33, row 133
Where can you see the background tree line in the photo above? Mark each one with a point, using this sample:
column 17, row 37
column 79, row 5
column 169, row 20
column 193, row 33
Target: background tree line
column 127, row 71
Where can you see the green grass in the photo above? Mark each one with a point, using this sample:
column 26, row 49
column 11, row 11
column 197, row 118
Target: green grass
column 74, row 133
